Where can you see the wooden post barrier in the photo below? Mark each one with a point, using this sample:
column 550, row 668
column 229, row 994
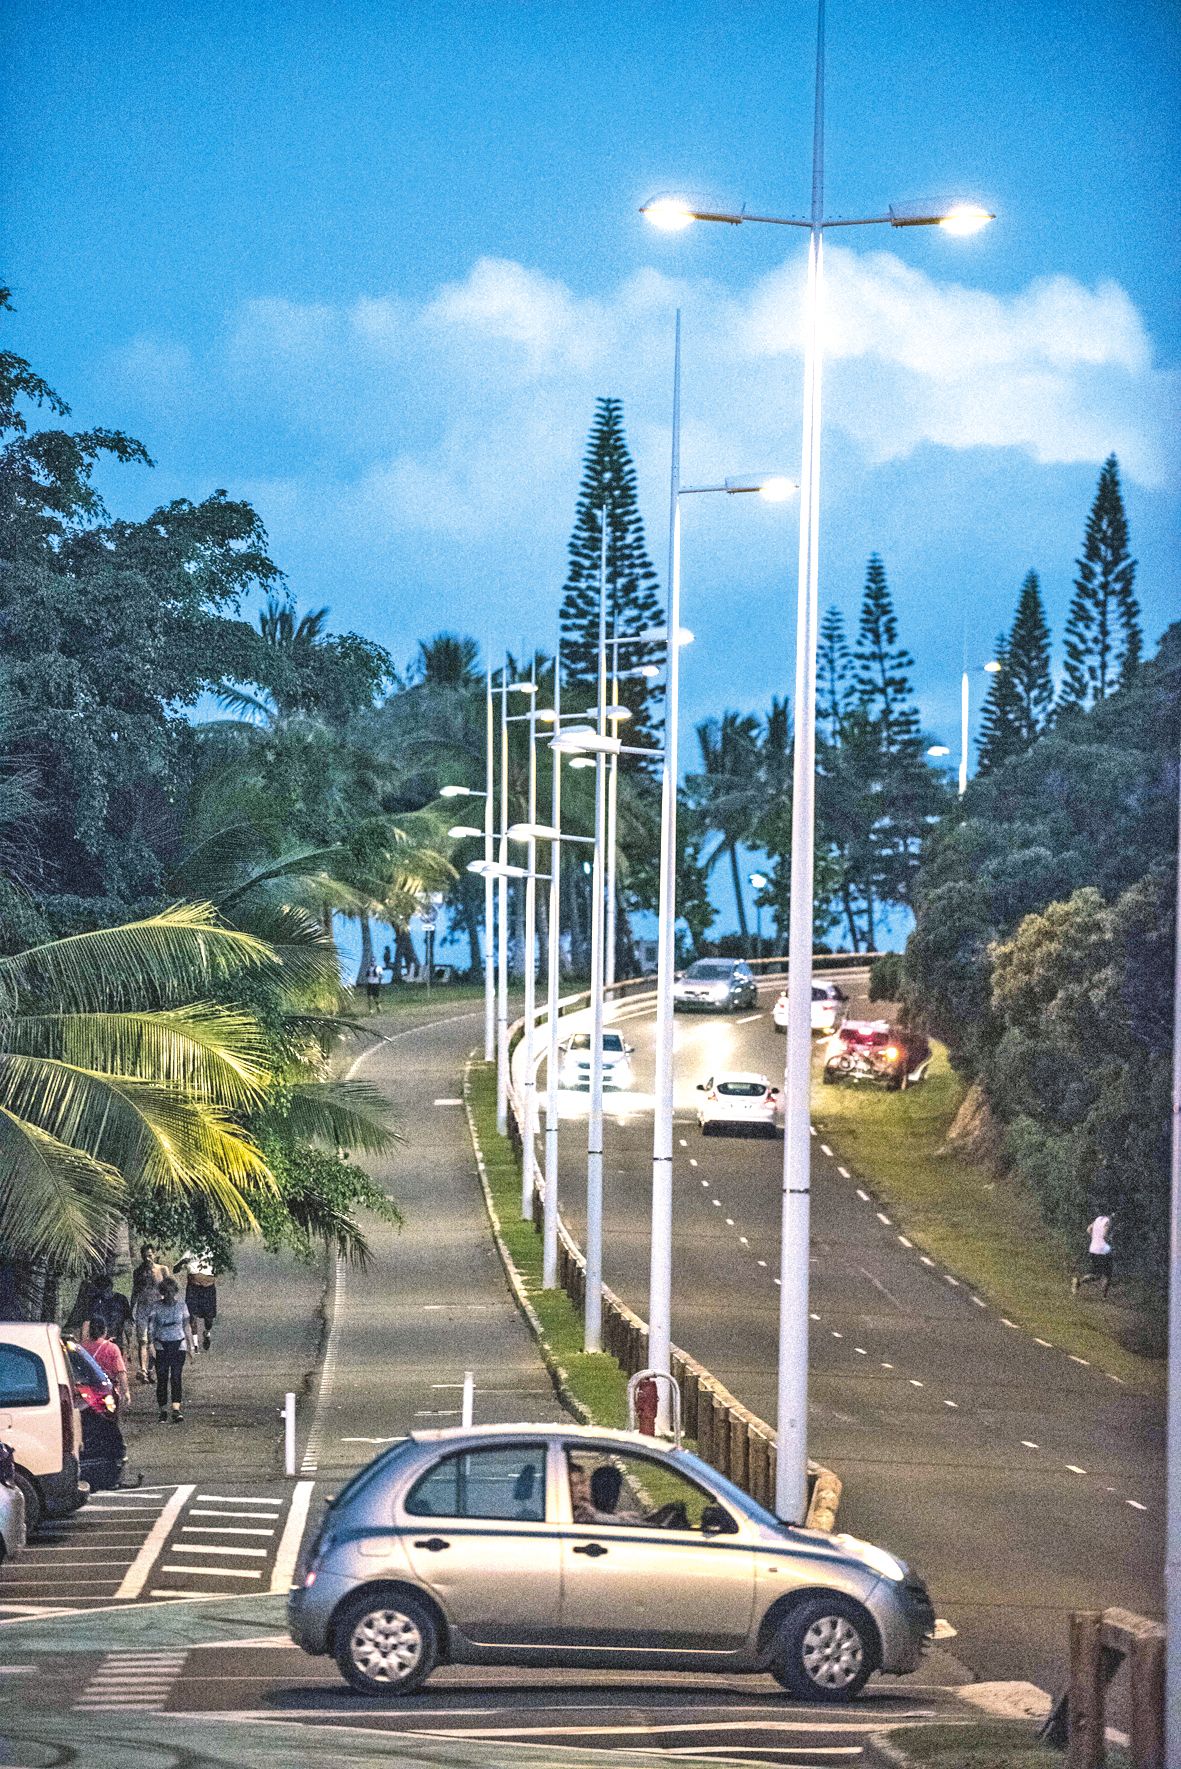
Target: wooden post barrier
column 1100, row 1642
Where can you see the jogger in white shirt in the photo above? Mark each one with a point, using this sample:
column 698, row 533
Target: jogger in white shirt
column 1099, row 1256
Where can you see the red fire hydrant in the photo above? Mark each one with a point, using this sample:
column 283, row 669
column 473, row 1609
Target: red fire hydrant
column 647, row 1403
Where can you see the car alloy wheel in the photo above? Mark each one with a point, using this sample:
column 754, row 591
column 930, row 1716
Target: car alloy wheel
column 386, row 1646
column 825, row 1652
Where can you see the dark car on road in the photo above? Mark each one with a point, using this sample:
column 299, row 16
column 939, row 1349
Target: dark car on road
column 715, row 985
column 876, row 1053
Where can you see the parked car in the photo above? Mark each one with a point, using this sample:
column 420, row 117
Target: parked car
column 12, row 1508
column 576, row 1055
column 828, row 1008
column 715, row 985
column 568, row 1545
column 39, row 1417
column 103, row 1451
column 876, row 1053
column 739, row 1101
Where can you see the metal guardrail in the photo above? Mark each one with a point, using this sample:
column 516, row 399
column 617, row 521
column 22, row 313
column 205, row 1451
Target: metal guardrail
column 729, row 1436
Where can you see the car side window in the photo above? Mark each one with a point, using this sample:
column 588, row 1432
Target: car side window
column 505, row 1483
column 23, row 1381
column 631, row 1491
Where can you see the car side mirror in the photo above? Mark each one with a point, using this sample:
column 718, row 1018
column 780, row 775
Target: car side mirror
column 701, row 1087
column 716, row 1521
column 774, row 1093
column 628, row 1049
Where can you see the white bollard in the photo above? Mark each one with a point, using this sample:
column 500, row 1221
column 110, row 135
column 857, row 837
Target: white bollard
column 469, row 1397
column 288, row 1411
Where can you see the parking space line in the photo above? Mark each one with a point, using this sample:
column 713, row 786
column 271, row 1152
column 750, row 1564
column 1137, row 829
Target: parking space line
column 288, row 1554
column 136, row 1576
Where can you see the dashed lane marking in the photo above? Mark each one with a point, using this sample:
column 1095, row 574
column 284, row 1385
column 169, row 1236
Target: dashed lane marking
column 903, row 1242
column 747, row 1018
column 1136, row 1505
column 948, row 1279
column 864, row 1196
column 926, row 1259
column 825, row 1150
column 844, row 1173
column 882, row 1217
column 1045, row 1342
column 1028, row 1444
column 1080, row 1360
column 1074, row 1468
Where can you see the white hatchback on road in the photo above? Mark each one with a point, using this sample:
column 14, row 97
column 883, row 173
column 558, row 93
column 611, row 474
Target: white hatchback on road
column 576, row 1055
column 740, row 1100
column 828, row 1008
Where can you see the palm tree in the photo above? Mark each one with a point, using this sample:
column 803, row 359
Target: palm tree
column 729, row 793
column 293, row 641
column 118, row 1068
column 449, row 660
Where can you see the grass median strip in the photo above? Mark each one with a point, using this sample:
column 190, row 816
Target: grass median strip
column 594, row 1379
column 973, row 1219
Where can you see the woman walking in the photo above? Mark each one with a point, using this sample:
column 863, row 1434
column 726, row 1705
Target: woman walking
column 171, row 1333
column 145, row 1293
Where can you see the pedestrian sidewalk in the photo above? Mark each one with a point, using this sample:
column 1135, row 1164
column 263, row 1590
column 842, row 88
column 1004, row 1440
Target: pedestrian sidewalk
column 435, row 1302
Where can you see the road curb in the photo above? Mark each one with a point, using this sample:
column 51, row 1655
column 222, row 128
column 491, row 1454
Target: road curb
column 557, row 1375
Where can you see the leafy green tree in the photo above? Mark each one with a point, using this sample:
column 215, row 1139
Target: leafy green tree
column 1104, row 639
column 449, row 660
column 883, row 667
column 633, row 604
column 834, row 676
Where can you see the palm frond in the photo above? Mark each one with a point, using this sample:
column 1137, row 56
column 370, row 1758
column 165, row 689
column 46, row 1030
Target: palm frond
column 55, row 1201
column 150, row 1134
column 216, row 1052
column 177, row 953
column 341, row 1114
column 305, row 952
column 322, row 1219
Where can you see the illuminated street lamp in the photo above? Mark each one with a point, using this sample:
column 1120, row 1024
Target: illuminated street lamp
column 758, row 883
column 674, row 214
column 991, row 668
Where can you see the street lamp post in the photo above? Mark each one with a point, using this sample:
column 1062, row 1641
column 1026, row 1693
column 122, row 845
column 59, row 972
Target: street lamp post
column 791, row 1488
column 774, row 488
column 530, row 1099
column 992, row 668
column 758, row 883
column 489, row 895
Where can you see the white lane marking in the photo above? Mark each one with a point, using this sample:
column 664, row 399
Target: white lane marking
column 729, row 1222
column 882, row 1217
column 864, row 1196
column 232, row 1499
column 1028, row 1444
column 219, row 1548
column 217, row 1529
column 255, row 1516
column 886, row 1366
column 763, row 1263
column 813, row 1129
column 948, row 1279
column 1079, row 1360
column 1136, row 1505
column 448, row 1102
column 915, row 1383
column 925, row 1259
column 717, row 1203
column 979, row 1301
column 683, row 1142
column 861, row 1351
column 692, row 1162
column 705, row 1183
column 1006, row 1322
column 837, row 1335
column 216, row 1572
column 1045, row 1342
column 1118, row 1379
column 744, row 1240
column 904, row 1242
column 825, row 1150
column 952, row 1403
column 136, row 1576
column 778, row 1285
column 1075, row 1469
column 814, row 1317
column 844, row 1173
column 747, row 1018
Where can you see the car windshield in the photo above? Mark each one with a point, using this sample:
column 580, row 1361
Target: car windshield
column 85, row 1369
column 612, row 1042
column 742, row 1089
column 708, row 970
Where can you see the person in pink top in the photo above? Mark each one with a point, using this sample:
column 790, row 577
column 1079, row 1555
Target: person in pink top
column 109, row 1359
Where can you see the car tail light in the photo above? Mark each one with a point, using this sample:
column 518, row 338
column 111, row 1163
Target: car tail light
column 65, row 1397
column 892, row 1053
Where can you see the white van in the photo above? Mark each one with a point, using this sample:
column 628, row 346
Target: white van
column 39, row 1417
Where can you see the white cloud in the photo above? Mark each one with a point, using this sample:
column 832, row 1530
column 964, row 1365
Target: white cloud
column 462, row 417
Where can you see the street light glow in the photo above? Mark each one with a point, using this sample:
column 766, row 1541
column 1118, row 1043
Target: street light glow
column 759, row 880
column 777, row 489
column 966, row 218
column 460, row 831
column 659, row 635
column 670, row 214
column 993, row 668
column 582, row 762
column 939, row 749
column 459, row 792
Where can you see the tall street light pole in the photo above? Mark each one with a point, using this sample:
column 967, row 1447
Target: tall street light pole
column 992, row 668
column 489, row 888
column 593, row 1309
column 1173, row 1428
column 502, row 922
column 791, row 1480
column 549, row 1225
column 774, row 488
column 530, row 1099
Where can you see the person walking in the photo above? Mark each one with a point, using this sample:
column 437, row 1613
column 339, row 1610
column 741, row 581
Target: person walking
column 373, row 977
column 200, row 1291
column 146, row 1279
column 171, row 1333
column 102, row 1437
column 1099, row 1256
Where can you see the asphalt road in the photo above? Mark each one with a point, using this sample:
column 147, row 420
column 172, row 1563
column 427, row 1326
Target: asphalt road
column 1022, row 1483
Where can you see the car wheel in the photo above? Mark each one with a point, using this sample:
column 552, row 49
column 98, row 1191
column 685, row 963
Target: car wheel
column 32, row 1502
column 386, row 1643
column 825, row 1650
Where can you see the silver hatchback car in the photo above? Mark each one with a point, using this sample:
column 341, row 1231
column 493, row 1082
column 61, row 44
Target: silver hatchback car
column 570, row 1545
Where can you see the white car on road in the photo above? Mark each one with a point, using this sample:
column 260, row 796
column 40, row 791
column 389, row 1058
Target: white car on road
column 739, row 1100
column 828, row 1008
column 575, row 1060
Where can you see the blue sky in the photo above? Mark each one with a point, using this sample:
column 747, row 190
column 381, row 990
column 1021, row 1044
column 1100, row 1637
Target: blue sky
column 371, row 264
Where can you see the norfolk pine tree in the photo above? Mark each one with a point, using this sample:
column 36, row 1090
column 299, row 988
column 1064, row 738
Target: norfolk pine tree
column 1020, row 697
column 883, row 667
column 834, row 675
column 1103, row 636
column 633, row 605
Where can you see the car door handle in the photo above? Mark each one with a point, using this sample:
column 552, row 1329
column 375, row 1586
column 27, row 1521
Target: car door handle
column 434, row 1544
column 593, row 1550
